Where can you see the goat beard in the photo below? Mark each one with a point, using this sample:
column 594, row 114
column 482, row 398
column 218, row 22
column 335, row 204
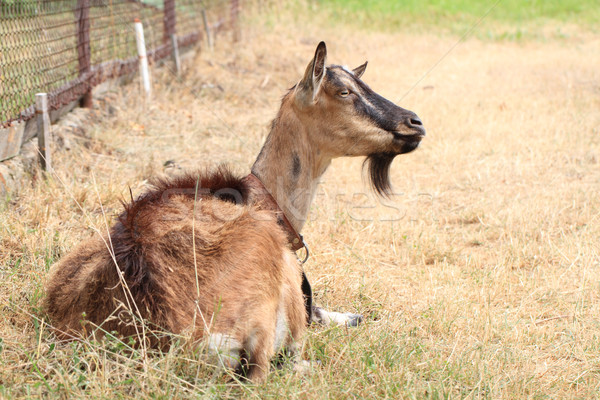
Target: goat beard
column 378, row 170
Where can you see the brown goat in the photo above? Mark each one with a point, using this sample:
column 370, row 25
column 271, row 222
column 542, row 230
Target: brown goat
column 206, row 254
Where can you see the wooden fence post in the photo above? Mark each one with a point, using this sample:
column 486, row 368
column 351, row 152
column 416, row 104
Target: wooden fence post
column 43, row 131
column 168, row 20
column 235, row 20
column 83, row 48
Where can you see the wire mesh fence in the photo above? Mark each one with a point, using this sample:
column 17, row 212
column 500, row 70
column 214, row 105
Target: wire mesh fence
column 65, row 47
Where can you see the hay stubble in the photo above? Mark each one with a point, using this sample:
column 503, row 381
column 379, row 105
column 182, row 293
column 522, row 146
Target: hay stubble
column 480, row 279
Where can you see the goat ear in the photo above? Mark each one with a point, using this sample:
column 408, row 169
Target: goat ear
column 359, row 71
column 315, row 71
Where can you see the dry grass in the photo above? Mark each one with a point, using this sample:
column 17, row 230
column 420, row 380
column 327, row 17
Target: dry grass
column 480, row 280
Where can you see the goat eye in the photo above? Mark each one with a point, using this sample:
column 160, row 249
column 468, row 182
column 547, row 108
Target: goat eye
column 344, row 93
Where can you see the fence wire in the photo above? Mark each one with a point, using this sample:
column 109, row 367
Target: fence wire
column 65, row 47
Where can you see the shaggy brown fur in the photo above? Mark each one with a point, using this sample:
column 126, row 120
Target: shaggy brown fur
column 198, row 254
column 234, row 282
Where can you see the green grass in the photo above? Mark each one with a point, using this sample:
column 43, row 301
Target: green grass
column 459, row 15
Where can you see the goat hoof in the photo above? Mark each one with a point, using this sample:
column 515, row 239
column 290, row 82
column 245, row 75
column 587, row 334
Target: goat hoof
column 354, row 320
column 323, row 317
column 304, row 367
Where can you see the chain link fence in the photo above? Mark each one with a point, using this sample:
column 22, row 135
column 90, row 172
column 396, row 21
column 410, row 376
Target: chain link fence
column 66, row 47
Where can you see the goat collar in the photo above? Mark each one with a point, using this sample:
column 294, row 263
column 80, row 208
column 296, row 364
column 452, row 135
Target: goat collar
column 266, row 202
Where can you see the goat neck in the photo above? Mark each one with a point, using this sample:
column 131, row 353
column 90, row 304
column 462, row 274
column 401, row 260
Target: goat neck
column 289, row 165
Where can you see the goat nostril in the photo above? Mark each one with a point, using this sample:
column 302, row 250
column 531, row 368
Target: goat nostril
column 415, row 122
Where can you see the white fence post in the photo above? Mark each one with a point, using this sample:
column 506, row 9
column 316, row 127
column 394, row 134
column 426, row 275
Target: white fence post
column 141, row 48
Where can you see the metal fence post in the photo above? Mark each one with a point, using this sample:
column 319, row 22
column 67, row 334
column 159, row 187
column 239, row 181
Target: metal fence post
column 83, row 48
column 209, row 37
column 43, row 130
column 176, row 58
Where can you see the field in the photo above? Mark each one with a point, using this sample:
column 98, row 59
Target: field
column 479, row 279
column 459, row 15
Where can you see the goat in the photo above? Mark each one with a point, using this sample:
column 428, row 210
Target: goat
column 211, row 254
